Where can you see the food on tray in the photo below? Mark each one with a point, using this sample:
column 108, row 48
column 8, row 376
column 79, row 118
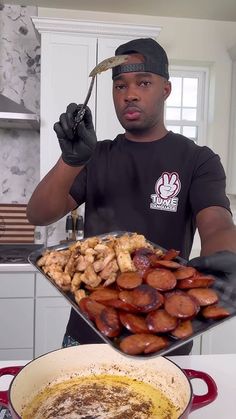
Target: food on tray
column 93, row 261
column 136, row 294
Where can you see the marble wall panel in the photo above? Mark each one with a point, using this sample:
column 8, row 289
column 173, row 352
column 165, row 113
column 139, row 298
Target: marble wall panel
column 20, row 81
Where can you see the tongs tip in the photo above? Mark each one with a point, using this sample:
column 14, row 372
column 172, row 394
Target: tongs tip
column 108, row 63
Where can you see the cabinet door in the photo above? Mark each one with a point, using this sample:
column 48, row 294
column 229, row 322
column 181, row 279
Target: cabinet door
column 51, row 318
column 16, row 354
column 20, row 284
column 196, row 349
column 66, row 63
column 107, row 124
column 17, row 323
column 44, row 288
column 221, row 339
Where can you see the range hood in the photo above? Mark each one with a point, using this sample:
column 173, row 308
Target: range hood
column 13, row 115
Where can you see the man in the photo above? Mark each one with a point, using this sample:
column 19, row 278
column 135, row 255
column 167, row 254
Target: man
column 147, row 180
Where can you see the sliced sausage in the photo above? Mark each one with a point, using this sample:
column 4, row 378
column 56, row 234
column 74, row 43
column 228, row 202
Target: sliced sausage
column 141, row 263
column 171, row 254
column 92, row 289
column 160, row 321
column 185, row 272
column 129, row 280
column 127, row 297
column 142, row 343
column 108, row 322
column 181, row 305
column 144, row 297
column 161, row 279
column 143, row 251
column 134, row 323
column 104, row 294
column 196, row 282
column 183, row 330
column 154, row 259
column 215, row 312
column 90, row 307
column 204, row 296
column 156, row 343
column 160, row 263
column 119, row 304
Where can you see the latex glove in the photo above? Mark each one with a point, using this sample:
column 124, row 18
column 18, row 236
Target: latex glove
column 222, row 265
column 77, row 147
column 219, row 262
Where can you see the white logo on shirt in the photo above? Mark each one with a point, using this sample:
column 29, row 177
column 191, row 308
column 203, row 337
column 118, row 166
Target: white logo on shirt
column 167, row 188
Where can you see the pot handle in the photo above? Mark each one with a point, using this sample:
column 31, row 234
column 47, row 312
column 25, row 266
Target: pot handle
column 4, row 394
column 210, row 396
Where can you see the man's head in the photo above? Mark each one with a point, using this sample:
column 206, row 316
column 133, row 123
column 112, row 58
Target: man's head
column 155, row 58
column 140, row 88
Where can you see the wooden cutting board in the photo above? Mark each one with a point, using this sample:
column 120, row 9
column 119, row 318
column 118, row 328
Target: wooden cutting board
column 14, row 225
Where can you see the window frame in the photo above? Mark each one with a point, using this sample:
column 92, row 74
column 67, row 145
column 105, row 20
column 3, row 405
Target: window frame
column 202, row 73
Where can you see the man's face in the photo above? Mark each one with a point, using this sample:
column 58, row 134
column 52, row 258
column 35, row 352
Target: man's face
column 139, row 99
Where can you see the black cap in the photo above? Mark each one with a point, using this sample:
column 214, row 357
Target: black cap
column 156, row 60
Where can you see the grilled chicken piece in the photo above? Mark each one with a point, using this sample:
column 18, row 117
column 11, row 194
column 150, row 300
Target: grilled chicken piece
column 79, row 294
column 76, row 281
column 55, row 257
column 124, row 261
column 90, row 277
column 62, row 279
column 109, row 269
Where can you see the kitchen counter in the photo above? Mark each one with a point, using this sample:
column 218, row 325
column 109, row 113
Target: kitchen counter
column 221, row 367
column 17, row 267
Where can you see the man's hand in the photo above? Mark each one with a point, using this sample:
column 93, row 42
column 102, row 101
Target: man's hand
column 77, row 146
column 218, row 263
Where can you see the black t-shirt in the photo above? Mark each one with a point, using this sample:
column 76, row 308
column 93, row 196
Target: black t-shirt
column 152, row 188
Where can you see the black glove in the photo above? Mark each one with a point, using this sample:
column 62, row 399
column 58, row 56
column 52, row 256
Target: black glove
column 77, row 145
column 220, row 262
column 222, row 265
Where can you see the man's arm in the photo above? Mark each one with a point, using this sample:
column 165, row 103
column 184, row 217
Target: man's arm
column 218, row 243
column 51, row 200
column 216, row 229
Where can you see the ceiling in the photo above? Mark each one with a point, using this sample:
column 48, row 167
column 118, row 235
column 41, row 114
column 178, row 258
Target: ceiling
column 224, row 10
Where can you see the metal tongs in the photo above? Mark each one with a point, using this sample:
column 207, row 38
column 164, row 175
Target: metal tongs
column 102, row 66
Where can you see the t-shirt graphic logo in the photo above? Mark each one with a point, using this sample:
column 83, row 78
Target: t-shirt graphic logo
column 167, row 188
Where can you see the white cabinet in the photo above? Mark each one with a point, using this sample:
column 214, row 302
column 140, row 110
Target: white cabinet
column 221, row 339
column 33, row 315
column 51, row 317
column 107, row 124
column 17, row 315
column 66, row 62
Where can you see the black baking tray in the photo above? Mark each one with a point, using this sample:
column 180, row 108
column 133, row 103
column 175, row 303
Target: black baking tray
column 225, row 288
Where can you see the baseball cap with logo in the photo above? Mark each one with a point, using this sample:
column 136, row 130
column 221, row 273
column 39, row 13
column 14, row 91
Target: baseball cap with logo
column 155, row 58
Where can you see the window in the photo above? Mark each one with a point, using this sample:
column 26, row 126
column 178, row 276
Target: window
column 185, row 109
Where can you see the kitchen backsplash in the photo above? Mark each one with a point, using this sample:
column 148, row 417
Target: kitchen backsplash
column 20, row 55
column 20, row 81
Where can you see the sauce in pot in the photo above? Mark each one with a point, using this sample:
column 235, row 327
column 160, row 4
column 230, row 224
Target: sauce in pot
column 101, row 397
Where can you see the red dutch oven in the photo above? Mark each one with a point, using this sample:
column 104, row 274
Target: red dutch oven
column 84, row 360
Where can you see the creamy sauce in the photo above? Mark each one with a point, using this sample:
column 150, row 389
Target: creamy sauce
column 100, row 397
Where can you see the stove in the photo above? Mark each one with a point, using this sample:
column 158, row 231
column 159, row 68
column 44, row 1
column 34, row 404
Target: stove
column 17, row 253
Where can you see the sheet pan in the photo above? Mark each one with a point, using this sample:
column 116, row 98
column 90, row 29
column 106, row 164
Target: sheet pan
column 225, row 288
